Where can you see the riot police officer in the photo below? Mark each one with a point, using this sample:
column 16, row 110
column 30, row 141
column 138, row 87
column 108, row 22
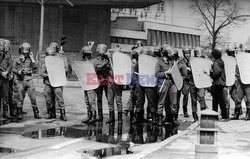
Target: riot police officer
column 22, row 68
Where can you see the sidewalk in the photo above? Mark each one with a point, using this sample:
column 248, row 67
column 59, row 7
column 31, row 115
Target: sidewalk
column 233, row 142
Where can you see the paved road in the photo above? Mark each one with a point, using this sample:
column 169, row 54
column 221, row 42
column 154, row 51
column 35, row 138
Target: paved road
column 43, row 138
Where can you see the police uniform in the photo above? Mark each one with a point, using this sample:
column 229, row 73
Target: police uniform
column 167, row 91
column 53, row 94
column 102, row 71
column 24, row 79
column 114, row 94
column 6, row 65
column 151, row 94
column 195, row 93
column 238, row 91
column 131, row 104
column 89, row 95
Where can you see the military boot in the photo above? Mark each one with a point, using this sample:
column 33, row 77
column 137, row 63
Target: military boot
column 19, row 113
column 185, row 113
column 236, row 114
column 6, row 112
column 160, row 117
column 23, row 112
column 247, row 114
column 111, row 117
column 53, row 112
column 49, row 113
column 154, row 118
column 62, row 115
column 132, row 116
column 100, row 115
column 93, row 119
column 119, row 117
column 195, row 116
column 149, row 114
column 36, row 113
column 89, row 116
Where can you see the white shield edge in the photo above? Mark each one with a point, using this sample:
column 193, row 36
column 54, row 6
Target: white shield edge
column 176, row 75
column 147, row 66
column 201, row 72
column 79, row 67
column 230, row 67
column 122, row 67
column 243, row 62
column 56, row 71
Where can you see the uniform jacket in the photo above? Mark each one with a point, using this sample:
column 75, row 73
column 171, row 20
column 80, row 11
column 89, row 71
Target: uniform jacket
column 102, row 65
column 5, row 63
column 26, row 67
column 161, row 67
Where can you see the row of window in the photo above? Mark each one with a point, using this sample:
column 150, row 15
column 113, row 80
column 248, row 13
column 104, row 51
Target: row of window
column 178, row 40
column 155, row 38
column 160, row 7
column 129, row 41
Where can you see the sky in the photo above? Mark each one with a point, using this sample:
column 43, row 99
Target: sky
column 241, row 33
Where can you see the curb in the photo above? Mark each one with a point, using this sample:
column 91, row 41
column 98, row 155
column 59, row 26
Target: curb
column 167, row 141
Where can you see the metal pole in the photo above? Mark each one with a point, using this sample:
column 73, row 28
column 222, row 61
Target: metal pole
column 41, row 27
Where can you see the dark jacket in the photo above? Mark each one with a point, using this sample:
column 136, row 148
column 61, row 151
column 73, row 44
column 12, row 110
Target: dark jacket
column 218, row 73
column 5, row 63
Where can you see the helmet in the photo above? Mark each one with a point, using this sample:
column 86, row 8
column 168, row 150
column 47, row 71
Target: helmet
column 176, row 54
column 86, row 49
column 49, row 51
column 54, row 46
column 2, row 43
column 157, row 51
column 24, row 48
column 7, row 45
column 101, row 48
column 186, row 50
column 167, row 50
column 146, row 50
column 247, row 49
column 198, row 52
column 139, row 43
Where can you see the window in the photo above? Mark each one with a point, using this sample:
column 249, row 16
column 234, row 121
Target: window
column 147, row 9
column 160, row 7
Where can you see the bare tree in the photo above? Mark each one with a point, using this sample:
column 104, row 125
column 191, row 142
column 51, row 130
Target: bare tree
column 218, row 14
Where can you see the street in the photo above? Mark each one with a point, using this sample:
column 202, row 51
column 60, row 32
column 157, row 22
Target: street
column 42, row 138
column 31, row 136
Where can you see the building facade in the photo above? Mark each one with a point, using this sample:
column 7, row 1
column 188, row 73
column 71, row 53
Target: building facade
column 86, row 20
column 168, row 22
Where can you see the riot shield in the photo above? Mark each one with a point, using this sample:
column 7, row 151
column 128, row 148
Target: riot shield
column 201, row 72
column 243, row 62
column 176, row 75
column 230, row 66
column 147, row 66
column 56, row 71
column 86, row 74
column 122, row 68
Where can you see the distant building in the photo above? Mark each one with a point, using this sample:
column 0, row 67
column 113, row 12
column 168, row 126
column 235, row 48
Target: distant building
column 170, row 22
column 86, row 20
